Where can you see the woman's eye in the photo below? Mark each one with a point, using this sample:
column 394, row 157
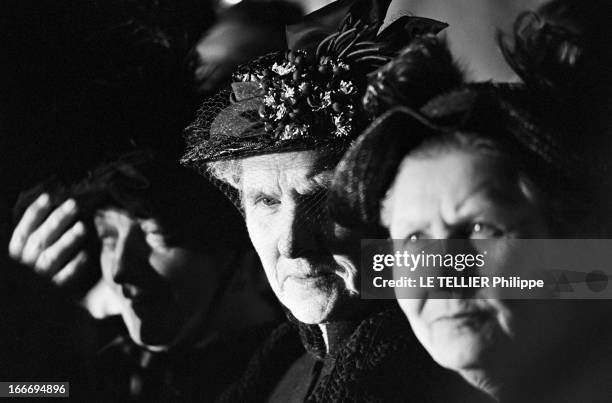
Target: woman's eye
column 415, row 236
column 267, row 201
column 484, row 230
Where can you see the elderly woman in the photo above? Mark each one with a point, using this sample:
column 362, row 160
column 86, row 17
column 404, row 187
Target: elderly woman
column 476, row 163
column 183, row 278
column 273, row 150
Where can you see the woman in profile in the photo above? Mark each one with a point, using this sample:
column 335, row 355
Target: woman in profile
column 484, row 161
column 175, row 257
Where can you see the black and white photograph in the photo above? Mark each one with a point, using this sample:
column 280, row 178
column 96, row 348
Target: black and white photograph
column 287, row 201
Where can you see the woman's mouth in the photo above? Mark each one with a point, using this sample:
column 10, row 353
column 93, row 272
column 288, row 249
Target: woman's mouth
column 304, row 271
column 308, row 278
column 467, row 318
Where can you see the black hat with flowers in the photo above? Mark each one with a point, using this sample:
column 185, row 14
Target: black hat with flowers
column 309, row 97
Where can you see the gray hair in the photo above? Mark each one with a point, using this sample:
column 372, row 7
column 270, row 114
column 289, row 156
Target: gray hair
column 226, row 171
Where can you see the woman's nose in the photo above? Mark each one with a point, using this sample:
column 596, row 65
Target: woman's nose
column 300, row 227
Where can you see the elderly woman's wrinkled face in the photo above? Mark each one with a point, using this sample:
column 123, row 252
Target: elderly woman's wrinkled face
column 458, row 194
column 309, row 261
column 164, row 288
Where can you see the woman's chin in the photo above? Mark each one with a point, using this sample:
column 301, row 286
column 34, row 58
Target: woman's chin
column 152, row 337
column 458, row 355
column 463, row 348
column 313, row 307
column 150, row 332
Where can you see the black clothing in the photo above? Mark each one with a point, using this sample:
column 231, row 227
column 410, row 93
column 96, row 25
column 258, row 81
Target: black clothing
column 380, row 361
column 43, row 335
column 298, row 381
column 127, row 372
column 46, row 337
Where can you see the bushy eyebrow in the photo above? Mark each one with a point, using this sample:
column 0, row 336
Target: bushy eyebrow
column 410, row 227
column 313, row 183
column 492, row 194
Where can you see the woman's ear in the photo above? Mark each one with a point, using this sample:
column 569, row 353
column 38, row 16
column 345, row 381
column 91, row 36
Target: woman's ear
column 529, row 189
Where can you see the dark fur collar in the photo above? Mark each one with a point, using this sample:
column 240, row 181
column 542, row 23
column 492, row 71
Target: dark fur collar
column 381, row 361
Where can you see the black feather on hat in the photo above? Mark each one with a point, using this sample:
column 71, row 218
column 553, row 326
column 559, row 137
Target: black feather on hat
column 508, row 114
column 420, row 71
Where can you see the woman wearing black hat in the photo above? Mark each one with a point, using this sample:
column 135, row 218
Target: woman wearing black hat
column 272, row 143
column 483, row 162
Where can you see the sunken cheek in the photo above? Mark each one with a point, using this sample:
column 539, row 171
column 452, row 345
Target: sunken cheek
column 264, row 238
column 262, row 231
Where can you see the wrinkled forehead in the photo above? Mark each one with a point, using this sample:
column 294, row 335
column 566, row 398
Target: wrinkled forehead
column 295, row 170
column 451, row 185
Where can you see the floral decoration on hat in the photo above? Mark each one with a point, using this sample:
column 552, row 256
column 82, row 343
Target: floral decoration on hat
column 311, row 95
column 306, row 98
